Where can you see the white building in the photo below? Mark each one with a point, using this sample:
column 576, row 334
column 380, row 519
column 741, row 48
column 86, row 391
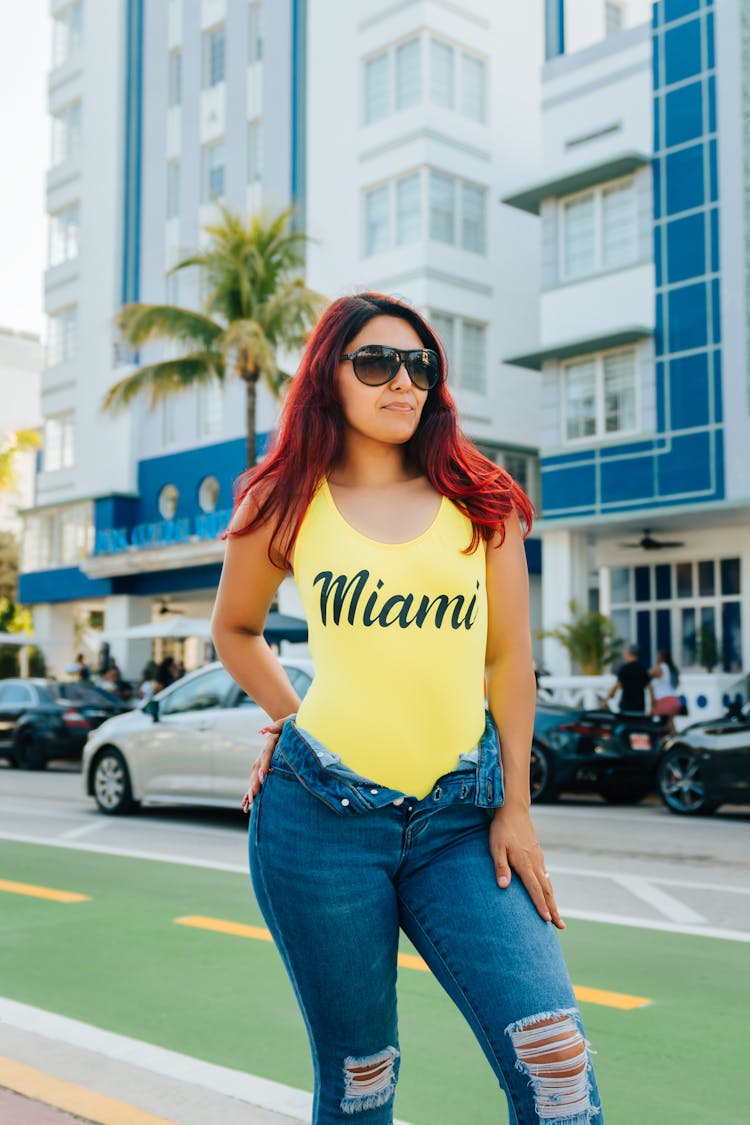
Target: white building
column 21, row 363
column 393, row 128
column 641, row 194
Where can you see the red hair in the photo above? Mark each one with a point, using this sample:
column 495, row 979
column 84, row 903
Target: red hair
column 310, row 434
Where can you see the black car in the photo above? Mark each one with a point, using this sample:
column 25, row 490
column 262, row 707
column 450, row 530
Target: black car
column 707, row 764
column 41, row 719
column 613, row 754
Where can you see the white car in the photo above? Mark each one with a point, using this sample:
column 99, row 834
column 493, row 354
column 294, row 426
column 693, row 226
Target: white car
column 192, row 744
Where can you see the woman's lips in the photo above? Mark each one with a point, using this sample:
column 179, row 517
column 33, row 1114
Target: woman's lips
column 399, row 407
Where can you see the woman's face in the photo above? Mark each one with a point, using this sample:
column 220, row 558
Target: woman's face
column 389, row 413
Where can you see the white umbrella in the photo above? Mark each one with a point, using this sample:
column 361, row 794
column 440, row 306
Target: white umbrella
column 16, row 639
column 168, row 627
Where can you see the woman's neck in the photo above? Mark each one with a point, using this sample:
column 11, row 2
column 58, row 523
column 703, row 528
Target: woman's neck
column 370, row 464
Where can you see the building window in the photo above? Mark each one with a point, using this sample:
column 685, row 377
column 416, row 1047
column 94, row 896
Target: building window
column 474, row 357
column 214, row 51
column 174, row 95
column 473, row 219
column 254, row 150
column 473, row 92
column 458, row 80
column 67, row 32
column 599, row 230
column 441, row 74
column 688, row 607
column 173, row 189
column 66, row 133
column 64, row 230
column 208, row 494
column 442, row 208
column 255, row 32
column 167, row 502
column 408, row 74
column 614, row 17
column 392, row 80
column 61, row 537
column 408, row 210
column 59, row 442
column 376, row 221
column 210, row 402
column 376, row 87
column 212, row 171
column 62, row 343
column 601, row 395
column 465, row 345
column 172, row 288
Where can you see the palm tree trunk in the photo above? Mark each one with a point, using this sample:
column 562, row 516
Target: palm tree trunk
column 251, row 449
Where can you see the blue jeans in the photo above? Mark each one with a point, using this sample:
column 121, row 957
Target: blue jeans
column 340, row 864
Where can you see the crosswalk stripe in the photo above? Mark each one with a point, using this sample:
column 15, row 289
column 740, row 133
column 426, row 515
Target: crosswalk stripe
column 42, row 892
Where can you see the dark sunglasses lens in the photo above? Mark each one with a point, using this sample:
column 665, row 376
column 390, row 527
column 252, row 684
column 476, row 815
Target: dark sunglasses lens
column 424, row 369
column 375, row 368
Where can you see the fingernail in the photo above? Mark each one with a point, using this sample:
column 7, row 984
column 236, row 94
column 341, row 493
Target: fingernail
column 502, row 881
column 261, row 775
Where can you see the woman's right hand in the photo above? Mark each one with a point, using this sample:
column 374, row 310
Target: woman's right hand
column 262, row 763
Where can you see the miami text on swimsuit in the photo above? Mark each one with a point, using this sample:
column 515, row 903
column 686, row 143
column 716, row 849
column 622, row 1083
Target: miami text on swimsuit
column 394, row 609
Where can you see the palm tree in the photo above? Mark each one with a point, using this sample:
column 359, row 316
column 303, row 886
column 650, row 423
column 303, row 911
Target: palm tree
column 15, row 442
column 590, row 638
column 256, row 303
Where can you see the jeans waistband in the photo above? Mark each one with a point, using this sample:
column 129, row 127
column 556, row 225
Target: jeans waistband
column 477, row 782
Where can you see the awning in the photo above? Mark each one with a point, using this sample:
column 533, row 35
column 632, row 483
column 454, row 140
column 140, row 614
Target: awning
column 279, row 627
column 16, row 639
column 530, row 198
column 282, row 627
column 584, row 345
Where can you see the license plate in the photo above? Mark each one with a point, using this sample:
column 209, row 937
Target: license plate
column 640, row 741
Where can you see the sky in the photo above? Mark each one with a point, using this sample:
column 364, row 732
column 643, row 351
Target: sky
column 24, row 60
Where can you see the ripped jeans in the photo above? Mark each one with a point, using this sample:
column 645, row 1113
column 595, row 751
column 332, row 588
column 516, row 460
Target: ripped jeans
column 339, row 864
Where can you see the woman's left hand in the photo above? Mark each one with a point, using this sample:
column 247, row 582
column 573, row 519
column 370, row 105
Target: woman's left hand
column 514, row 845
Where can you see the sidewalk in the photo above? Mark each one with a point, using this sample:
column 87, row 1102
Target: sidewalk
column 55, row 1071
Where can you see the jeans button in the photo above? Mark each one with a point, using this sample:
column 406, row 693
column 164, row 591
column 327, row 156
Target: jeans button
column 344, row 801
column 399, row 801
column 373, row 791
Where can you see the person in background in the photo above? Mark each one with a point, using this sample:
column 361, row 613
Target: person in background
column 665, row 677
column 633, row 681
column 166, row 673
column 112, row 677
column 149, row 684
column 79, row 667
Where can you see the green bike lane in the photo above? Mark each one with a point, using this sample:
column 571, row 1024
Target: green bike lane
column 117, row 960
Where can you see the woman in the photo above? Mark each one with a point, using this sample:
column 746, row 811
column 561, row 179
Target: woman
column 380, row 802
column 665, row 678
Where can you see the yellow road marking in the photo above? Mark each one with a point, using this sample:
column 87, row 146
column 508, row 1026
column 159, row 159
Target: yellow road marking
column 42, row 892
column 619, row 1000
column 610, row 999
column 32, row 1083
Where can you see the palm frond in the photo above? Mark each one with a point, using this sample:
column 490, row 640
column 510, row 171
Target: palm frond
column 141, row 323
column 159, row 381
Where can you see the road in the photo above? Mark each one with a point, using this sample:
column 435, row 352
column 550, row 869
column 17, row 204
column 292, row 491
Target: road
column 634, row 865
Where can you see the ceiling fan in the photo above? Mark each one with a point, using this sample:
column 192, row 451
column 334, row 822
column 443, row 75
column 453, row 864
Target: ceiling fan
column 648, row 543
column 167, row 607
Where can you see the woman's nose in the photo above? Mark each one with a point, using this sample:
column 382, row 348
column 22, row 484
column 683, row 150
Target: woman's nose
column 401, row 378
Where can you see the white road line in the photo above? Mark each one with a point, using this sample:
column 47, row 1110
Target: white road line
column 249, row 1088
column 649, row 924
column 241, row 869
column 666, row 904
column 84, row 829
column 602, row 873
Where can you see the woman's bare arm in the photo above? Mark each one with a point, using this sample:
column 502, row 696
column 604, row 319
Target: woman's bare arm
column 248, row 583
column 511, row 693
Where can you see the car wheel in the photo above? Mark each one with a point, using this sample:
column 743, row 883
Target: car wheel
column 682, row 786
column 29, row 753
column 624, row 794
column 543, row 787
column 111, row 783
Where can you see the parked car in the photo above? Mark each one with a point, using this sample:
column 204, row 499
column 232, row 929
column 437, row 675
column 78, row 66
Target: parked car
column 43, row 719
column 707, row 765
column 606, row 752
column 192, row 744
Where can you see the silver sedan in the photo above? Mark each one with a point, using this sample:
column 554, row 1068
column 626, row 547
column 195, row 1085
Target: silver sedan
column 192, row 744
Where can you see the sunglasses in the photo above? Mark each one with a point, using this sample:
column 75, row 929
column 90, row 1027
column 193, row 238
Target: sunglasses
column 376, row 364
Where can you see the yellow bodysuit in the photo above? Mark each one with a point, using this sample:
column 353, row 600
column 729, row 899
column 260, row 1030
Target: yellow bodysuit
column 397, row 634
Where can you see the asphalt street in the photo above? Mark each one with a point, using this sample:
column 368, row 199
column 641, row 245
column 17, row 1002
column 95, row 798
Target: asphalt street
column 637, row 865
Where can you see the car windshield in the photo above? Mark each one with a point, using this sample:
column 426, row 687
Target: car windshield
column 85, row 694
